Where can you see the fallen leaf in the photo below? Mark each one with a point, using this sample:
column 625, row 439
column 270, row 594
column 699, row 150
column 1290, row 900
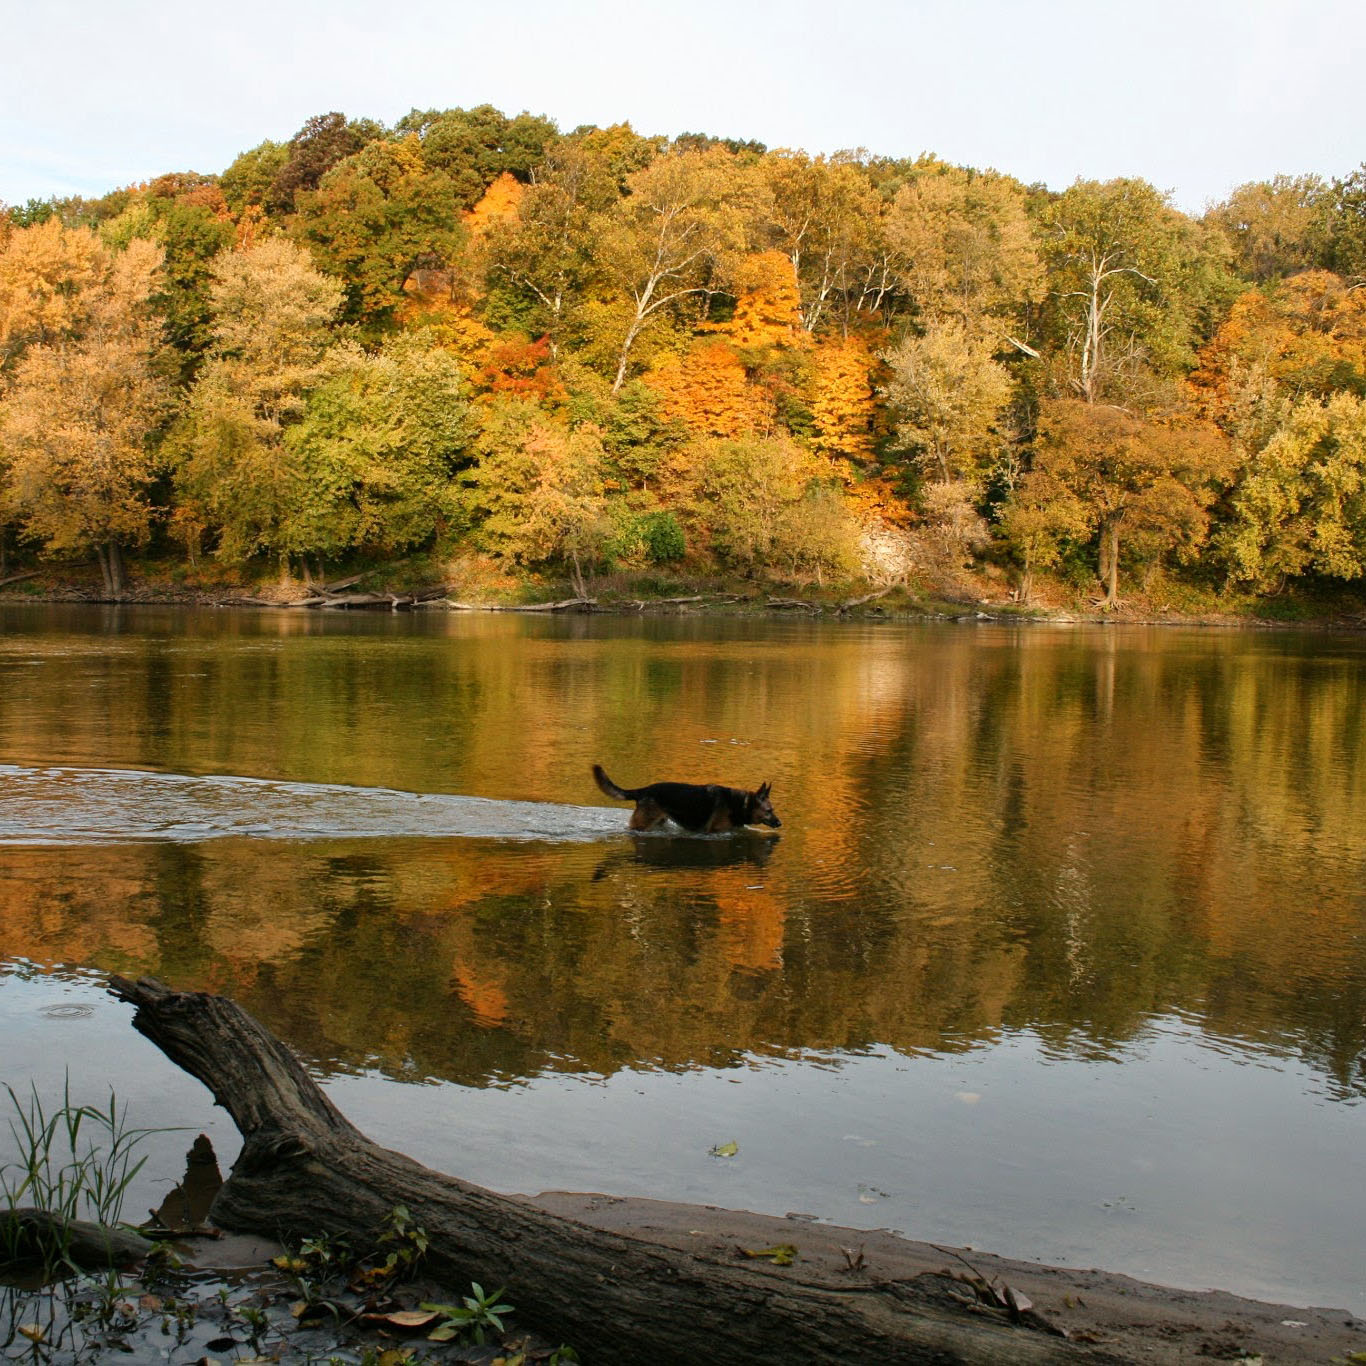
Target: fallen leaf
column 411, row 1319
column 781, row 1254
column 32, row 1331
column 726, row 1149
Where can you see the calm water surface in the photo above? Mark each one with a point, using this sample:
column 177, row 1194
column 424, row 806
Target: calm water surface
column 1060, row 952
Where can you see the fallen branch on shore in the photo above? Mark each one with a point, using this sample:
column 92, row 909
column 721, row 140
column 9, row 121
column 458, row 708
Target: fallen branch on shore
column 850, row 603
column 305, row 1170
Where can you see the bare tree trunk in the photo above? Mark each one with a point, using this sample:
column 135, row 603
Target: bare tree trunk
column 304, row 1169
column 1109, row 562
column 111, row 569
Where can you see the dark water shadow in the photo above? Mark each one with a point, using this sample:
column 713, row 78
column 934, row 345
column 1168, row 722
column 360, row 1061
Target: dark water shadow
column 691, row 851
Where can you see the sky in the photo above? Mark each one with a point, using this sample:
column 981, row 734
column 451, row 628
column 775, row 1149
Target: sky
column 1196, row 96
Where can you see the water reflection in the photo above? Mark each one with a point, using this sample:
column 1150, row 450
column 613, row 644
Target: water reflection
column 992, row 829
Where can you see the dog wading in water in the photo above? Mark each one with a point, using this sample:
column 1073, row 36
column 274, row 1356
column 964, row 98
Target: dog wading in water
column 704, row 808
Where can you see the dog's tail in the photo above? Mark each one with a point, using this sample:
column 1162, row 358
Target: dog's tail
column 609, row 787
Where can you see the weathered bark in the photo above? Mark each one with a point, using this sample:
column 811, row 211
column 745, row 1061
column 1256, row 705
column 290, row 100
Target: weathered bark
column 304, row 1169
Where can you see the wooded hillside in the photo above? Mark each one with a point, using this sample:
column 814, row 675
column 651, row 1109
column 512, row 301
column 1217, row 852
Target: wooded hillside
column 565, row 353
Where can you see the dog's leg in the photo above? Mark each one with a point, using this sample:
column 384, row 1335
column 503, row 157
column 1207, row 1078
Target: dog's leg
column 648, row 815
column 719, row 821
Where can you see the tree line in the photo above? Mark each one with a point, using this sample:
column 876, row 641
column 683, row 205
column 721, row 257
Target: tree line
column 568, row 352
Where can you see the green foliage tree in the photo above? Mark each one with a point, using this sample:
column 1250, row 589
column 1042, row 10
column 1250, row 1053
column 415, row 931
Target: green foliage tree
column 315, row 149
column 248, row 180
column 374, row 219
column 473, row 147
column 272, row 332
column 377, row 450
column 1133, row 285
column 537, row 489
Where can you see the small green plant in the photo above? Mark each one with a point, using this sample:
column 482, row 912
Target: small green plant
column 409, row 1242
column 475, row 1315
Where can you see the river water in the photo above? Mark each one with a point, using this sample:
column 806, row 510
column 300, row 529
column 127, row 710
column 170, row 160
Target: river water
column 1060, row 951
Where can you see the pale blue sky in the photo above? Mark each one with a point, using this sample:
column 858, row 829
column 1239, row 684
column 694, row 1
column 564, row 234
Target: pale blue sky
column 1197, row 96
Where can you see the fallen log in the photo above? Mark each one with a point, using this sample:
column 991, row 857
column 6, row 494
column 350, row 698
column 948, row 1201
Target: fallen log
column 305, row 1170
column 28, row 1233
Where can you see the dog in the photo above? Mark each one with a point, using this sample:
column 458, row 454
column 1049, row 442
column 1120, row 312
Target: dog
column 703, row 808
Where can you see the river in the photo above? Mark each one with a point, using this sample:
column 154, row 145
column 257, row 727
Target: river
column 1060, row 951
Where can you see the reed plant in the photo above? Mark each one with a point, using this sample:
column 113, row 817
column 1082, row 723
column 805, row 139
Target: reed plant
column 75, row 1162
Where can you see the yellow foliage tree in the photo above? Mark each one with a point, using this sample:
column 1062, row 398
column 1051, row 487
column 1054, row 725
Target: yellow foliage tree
column 46, row 272
column 77, row 417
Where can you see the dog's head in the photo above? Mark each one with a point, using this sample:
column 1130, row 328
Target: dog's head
column 761, row 810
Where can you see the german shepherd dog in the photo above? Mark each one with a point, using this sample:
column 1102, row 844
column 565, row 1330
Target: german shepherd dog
column 704, row 808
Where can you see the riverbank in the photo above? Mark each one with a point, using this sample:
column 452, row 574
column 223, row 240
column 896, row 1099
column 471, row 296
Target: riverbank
column 1131, row 1320
column 238, row 1292
column 425, row 584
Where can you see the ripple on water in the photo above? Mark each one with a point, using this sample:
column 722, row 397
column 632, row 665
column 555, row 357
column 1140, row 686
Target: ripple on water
column 93, row 806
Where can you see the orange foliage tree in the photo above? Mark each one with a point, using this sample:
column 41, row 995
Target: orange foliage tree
column 708, row 391
column 842, row 398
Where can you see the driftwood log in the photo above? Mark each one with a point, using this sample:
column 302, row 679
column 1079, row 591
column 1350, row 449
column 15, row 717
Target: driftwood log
column 29, row 1231
column 306, row 1170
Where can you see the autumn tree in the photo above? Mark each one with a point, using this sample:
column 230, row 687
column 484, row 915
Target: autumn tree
column 1275, row 227
column 542, row 257
column 1345, row 226
column 842, row 398
column 966, row 248
column 821, row 213
column 1038, row 518
column 1130, row 474
column 187, row 216
column 1300, row 506
column 947, row 393
column 84, row 398
column 376, row 452
column 536, row 490
column 672, row 238
column 1296, row 338
column 707, row 390
column 234, row 474
column 374, row 219
column 766, row 504
column 46, row 274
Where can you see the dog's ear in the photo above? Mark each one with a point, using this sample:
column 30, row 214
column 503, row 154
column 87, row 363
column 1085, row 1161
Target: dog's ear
column 764, row 790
